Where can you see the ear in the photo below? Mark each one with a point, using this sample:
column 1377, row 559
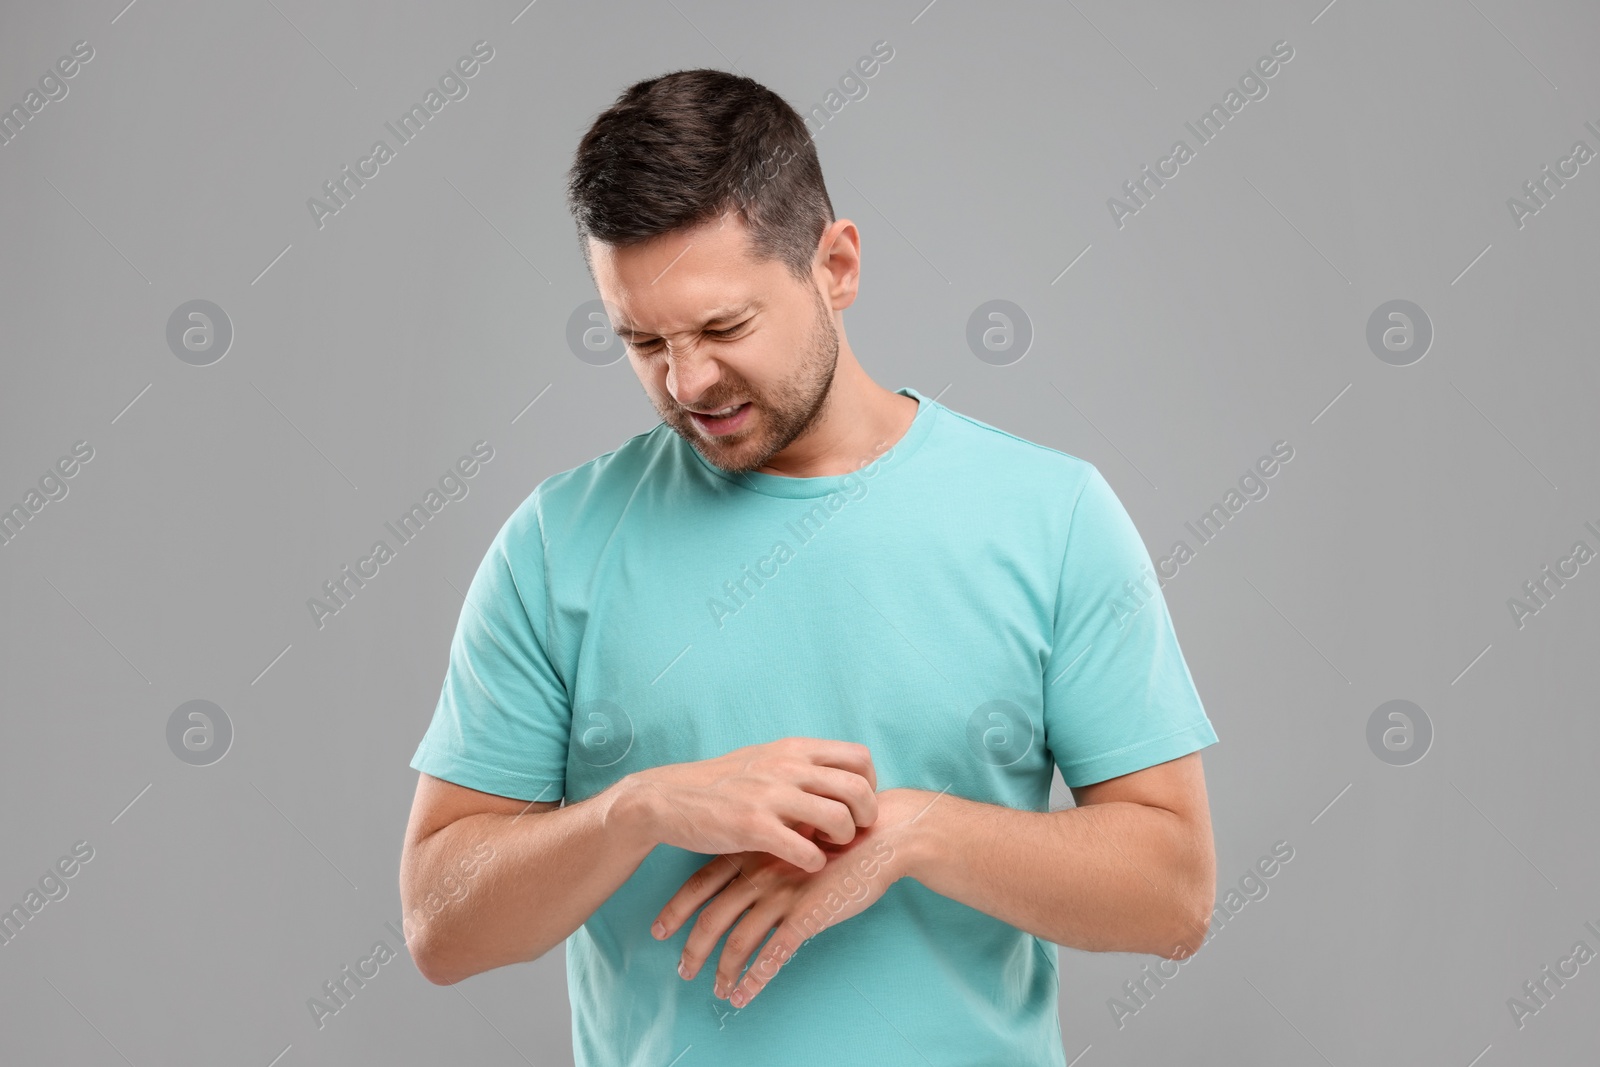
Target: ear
column 839, row 261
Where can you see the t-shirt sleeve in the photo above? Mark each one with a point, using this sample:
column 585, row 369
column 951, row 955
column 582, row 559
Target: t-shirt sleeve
column 503, row 718
column 1118, row 696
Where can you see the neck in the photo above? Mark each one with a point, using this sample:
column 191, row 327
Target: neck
column 859, row 421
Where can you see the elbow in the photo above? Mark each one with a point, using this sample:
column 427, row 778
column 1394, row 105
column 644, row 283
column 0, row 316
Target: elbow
column 442, row 971
column 1184, row 946
column 1193, row 906
column 437, row 977
column 433, row 955
column 438, row 964
column 430, row 963
column 1192, row 927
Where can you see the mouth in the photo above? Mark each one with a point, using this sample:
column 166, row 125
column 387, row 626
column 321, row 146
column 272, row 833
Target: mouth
column 723, row 421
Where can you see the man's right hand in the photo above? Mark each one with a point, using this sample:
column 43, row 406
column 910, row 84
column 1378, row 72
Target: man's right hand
column 761, row 797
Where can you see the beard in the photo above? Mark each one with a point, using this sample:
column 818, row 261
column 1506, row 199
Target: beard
column 774, row 421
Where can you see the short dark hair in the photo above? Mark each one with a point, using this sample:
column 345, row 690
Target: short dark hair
column 680, row 149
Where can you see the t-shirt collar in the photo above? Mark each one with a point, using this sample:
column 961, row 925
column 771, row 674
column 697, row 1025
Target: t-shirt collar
column 785, row 486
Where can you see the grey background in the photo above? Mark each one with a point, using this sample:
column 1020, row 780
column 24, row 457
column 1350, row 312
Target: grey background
column 369, row 354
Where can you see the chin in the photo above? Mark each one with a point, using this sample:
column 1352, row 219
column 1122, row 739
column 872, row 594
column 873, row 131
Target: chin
column 735, row 457
column 734, row 460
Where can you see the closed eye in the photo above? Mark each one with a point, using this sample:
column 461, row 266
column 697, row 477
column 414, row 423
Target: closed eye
column 721, row 335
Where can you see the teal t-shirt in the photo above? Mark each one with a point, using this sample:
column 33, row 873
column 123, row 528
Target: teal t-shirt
column 971, row 606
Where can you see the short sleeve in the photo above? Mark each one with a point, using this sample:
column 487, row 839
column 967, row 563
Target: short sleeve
column 1118, row 696
column 503, row 719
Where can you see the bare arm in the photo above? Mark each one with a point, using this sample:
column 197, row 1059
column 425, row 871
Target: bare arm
column 539, row 871
column 1131, row 869
column 548, row 869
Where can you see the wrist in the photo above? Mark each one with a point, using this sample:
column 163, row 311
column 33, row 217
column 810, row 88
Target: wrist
column 909, row 817
column 630, row 812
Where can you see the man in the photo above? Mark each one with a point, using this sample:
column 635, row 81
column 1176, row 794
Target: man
column 799, row 660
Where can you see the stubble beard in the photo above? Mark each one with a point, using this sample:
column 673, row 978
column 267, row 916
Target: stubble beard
column 778, row 421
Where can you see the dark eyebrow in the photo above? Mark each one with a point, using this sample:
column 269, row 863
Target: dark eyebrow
column 722, row 314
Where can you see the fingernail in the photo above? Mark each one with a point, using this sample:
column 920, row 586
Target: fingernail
column 657, row 929
column 738, row 999
column 683, row 969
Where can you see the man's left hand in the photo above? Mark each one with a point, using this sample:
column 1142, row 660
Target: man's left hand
column 773, row 893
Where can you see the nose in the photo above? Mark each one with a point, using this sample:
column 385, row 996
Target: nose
column 691, row 375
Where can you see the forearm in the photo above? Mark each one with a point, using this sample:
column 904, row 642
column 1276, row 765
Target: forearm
column 1113, row 877
column 550, row 871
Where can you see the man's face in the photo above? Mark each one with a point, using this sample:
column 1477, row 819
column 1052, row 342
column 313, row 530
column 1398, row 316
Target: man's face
column 707, row 327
